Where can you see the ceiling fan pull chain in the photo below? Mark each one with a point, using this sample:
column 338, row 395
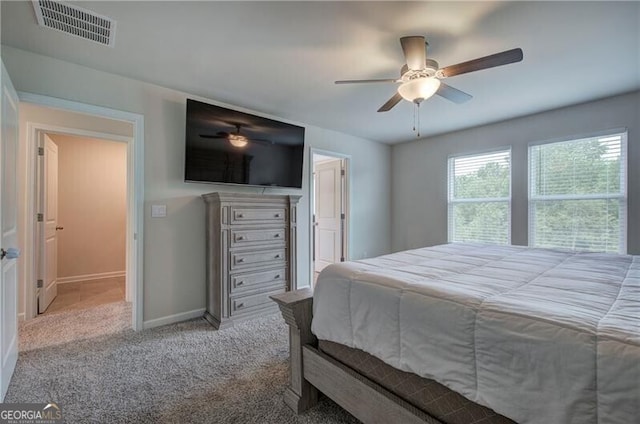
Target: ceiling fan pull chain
column 418, row 112
column 414, row 119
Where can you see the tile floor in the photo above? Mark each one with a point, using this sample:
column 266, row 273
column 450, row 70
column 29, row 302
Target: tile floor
column 87, row 294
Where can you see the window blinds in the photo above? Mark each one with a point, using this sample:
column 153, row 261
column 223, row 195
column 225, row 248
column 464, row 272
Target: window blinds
column 577, row 194
column 480, row 197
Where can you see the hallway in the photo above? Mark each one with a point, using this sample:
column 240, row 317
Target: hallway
column 87, row 294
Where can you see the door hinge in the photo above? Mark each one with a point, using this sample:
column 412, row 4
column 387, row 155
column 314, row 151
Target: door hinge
column 40, row 217
column 342, row 172
column 342, row 216
column 39, row 284
column 40, row 151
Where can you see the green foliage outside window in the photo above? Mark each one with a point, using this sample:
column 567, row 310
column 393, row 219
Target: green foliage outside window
column 577, row 195
column 587, row 173
column 479, row 203
column 483, row 221
column 491, row 180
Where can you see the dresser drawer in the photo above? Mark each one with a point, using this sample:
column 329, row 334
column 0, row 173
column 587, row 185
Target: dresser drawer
column 251, row 237
column 251, row 258
column 254, row 280
column 246, row 304
column 248, row 215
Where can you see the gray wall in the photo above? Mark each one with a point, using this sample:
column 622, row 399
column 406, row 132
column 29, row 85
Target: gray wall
column 174, row 257
column 419, row 168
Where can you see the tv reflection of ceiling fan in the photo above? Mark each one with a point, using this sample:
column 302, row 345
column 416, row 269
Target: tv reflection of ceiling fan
column 421, row 77
column 236, row 139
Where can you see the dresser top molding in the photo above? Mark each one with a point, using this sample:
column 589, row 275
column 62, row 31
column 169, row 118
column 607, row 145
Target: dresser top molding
column 221, row 196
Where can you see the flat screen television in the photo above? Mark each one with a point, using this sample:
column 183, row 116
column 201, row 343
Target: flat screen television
column 227, row 146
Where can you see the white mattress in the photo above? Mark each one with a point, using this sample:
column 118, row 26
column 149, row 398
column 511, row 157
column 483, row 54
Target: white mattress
column 540, row 336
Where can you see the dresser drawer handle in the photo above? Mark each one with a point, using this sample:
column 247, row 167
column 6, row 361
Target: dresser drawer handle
column 278, row 256
column 277, row 235
column 277, row 277
column 240, row 283
column 240, row 215
column 277, row 215
column 239, row 305
column 240, row 260
column 240, row 238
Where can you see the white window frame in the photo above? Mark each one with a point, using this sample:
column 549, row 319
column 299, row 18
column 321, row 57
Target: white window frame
column 451, row 202
column 623, row 197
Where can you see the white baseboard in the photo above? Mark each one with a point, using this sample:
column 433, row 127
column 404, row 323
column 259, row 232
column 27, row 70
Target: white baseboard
column 171, row 319
column 89, row 277
column 21, row 316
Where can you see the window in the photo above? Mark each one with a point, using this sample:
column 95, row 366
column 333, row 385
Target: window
column 480, row 197
column 577, row 194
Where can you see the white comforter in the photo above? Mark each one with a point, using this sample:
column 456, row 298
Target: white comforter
column 540, row 336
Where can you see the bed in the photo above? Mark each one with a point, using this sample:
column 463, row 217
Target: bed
column 500, row 334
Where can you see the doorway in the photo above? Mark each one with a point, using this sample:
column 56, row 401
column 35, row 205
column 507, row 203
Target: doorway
column 82, row 188
column 329, row 210
column 61, row 117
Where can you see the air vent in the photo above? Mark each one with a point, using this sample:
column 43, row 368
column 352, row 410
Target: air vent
column 76, row 21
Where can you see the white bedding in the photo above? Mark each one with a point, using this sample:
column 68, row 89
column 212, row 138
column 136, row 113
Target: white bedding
column 540, row 336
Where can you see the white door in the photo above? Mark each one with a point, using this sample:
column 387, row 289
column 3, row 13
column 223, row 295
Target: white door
column 9, row 233
column 48, row 228
column 328, row 208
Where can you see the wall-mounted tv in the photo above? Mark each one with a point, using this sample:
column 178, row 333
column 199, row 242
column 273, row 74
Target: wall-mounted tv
column 227, row 146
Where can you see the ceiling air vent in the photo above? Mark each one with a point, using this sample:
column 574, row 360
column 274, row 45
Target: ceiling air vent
column 75, row 21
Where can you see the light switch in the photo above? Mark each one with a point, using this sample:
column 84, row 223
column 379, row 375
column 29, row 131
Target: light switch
column 158, row 211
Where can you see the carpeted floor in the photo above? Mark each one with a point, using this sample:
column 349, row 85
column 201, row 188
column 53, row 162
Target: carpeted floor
column 180, row 373
column 59, row 328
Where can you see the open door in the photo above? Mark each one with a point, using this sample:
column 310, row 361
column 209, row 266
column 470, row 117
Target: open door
column 328, row 213
column 48, row 266
column 9, row 232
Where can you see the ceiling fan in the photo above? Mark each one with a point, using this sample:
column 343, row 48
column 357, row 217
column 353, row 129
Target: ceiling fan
column 421, row 78
column 236, row 139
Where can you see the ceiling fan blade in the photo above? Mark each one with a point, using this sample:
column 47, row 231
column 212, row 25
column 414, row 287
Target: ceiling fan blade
column 366, row 81
column 415, row 52
column 390, row 103
column 261, row 141
column 214, row 135
column 453, row 94
column 498, row 59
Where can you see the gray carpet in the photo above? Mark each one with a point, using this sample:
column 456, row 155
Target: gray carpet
column 180, row 373
column 64, row 327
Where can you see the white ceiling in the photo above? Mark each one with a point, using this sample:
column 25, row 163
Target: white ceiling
column 281, row 58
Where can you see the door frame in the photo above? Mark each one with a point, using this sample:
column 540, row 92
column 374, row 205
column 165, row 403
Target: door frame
column 346, row 232
column 135, row 194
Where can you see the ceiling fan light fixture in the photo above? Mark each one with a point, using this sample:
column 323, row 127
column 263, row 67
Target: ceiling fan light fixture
column 419, row 89
column 238, row 140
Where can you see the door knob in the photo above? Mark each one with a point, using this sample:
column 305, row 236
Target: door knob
column 59, row 228
column 10, row 253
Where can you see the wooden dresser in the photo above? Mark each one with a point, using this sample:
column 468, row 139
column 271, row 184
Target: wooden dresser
column 251, row 254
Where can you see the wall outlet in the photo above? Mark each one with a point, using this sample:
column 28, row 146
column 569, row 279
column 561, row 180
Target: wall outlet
column 158, row 211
